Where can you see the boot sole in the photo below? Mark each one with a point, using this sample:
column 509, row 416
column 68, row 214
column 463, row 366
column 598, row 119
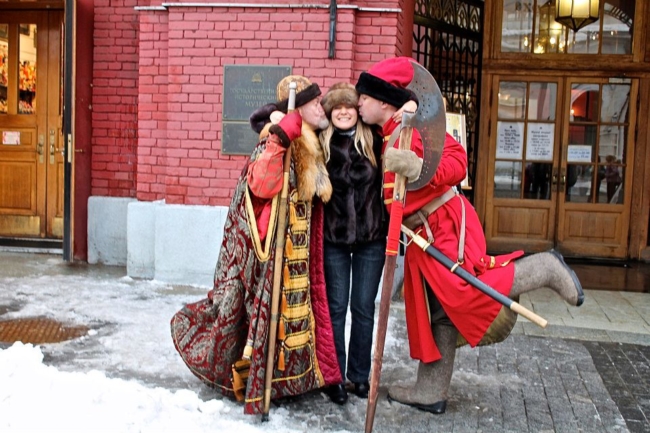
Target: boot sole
column 437, row 408
column 574, row 277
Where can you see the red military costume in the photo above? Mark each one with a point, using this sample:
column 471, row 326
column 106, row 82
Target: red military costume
column 471, row 311
column 443, row 310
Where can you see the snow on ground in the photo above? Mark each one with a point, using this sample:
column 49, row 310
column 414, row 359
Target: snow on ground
column 125, row 375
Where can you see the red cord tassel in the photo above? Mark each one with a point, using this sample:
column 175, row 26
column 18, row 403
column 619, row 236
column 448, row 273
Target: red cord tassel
column 394, row 228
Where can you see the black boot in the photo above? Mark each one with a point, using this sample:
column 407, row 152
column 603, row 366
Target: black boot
column 361, row 389
column 337, row 393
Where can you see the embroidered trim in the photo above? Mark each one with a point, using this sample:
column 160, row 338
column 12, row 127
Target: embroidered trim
column 261, row 253
column 298, row 339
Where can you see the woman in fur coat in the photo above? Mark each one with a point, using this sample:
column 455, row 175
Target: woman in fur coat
column 355, row 230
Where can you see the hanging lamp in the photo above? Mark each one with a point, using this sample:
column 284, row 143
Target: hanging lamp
column 575, row 14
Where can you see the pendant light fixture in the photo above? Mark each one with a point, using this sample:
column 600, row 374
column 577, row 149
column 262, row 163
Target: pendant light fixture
column 575, row 14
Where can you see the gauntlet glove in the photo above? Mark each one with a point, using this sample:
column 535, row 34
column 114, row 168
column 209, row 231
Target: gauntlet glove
column 404, row 162
column 288, row 129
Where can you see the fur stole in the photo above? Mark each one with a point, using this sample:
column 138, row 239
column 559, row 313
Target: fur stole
column 309, row 165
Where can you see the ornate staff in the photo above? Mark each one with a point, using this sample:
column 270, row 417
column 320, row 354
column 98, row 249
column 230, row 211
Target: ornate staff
column 280, row 238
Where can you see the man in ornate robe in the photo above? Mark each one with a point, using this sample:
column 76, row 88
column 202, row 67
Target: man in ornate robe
column 223, row 339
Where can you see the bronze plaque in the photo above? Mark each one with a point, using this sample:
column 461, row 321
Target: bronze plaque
column 245, row 89
column 238, row 138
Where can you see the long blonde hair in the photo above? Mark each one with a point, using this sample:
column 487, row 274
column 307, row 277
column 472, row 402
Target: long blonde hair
column 363, row 141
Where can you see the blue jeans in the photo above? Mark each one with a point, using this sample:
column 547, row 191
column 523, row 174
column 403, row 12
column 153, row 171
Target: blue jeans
column 366, row 261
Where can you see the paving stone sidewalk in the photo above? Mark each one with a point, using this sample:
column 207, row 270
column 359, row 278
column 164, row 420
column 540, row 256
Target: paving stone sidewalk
column 525, row 384
column 588, row 371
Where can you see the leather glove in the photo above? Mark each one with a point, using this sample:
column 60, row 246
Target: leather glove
column 288, row 129
column 404, row 162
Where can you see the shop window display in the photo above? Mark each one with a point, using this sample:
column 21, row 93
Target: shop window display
column 4, row 67
column 27, row 70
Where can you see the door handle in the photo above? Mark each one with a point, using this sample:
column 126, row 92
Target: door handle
column 554, row 177
column 563, row 177
column 70, row 149
column 52, row 144
column 40, row 149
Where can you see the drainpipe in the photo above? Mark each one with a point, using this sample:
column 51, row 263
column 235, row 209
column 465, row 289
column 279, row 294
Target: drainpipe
column 332, row 28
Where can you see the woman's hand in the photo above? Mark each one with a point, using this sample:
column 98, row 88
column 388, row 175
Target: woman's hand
column 410, row 106
column 276, row 116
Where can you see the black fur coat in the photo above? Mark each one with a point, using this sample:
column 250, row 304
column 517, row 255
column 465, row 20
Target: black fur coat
column 356, row 212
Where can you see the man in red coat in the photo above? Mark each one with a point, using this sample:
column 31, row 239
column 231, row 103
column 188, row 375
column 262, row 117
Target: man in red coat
column 439, row 304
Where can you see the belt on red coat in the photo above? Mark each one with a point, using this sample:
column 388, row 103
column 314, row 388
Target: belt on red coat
column 420, row 218
column 421, row 215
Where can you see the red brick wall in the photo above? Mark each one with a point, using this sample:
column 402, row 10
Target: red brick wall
column 115, row 98
column 182, row 53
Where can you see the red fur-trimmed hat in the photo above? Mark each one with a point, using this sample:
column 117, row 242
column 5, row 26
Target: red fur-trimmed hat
column 387, row 81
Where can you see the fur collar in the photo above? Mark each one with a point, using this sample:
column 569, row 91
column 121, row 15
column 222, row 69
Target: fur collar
column 309, row 165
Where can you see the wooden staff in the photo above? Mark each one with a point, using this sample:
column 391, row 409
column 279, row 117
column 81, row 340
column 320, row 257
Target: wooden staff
column 280, row 238
column 471, row 279
column 392, row 249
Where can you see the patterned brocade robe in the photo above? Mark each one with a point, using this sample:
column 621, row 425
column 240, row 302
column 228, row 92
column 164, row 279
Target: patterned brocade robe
column 215, row 334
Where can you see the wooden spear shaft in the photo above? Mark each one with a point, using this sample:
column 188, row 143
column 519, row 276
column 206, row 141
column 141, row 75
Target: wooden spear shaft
column 392, row 249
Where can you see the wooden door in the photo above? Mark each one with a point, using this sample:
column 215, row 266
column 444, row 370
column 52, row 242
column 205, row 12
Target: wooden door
column 598, row 142
column 31, row 187
column 557, row 168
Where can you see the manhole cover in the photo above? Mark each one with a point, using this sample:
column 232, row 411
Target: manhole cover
column 38, row 331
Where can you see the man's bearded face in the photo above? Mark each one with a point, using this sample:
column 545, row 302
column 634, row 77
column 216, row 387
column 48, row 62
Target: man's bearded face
column 313, row 114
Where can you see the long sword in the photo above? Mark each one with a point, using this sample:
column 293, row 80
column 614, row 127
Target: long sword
column 471, row 279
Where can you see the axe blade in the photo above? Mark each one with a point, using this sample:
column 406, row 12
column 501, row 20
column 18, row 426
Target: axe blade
column 429, row 120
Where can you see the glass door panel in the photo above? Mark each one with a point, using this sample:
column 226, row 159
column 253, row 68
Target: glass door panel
column 597, row 143
column 525, row 140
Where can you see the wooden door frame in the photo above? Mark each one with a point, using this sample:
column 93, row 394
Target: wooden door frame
column 488, row 201
column 578, row 247
column 81, row 145
column 556, row 233
column 639, row 67
column 82, row 138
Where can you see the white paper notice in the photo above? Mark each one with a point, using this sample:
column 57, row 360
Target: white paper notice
column 579, row 153
column 539, row 142
column 11, row 138
column 510, row 140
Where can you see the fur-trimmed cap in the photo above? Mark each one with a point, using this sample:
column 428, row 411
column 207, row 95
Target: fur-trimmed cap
column 387, row 80
column 340, row 94
column 305, row 92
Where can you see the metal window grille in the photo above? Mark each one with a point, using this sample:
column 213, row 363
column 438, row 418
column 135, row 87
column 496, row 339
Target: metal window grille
column 448, row 41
